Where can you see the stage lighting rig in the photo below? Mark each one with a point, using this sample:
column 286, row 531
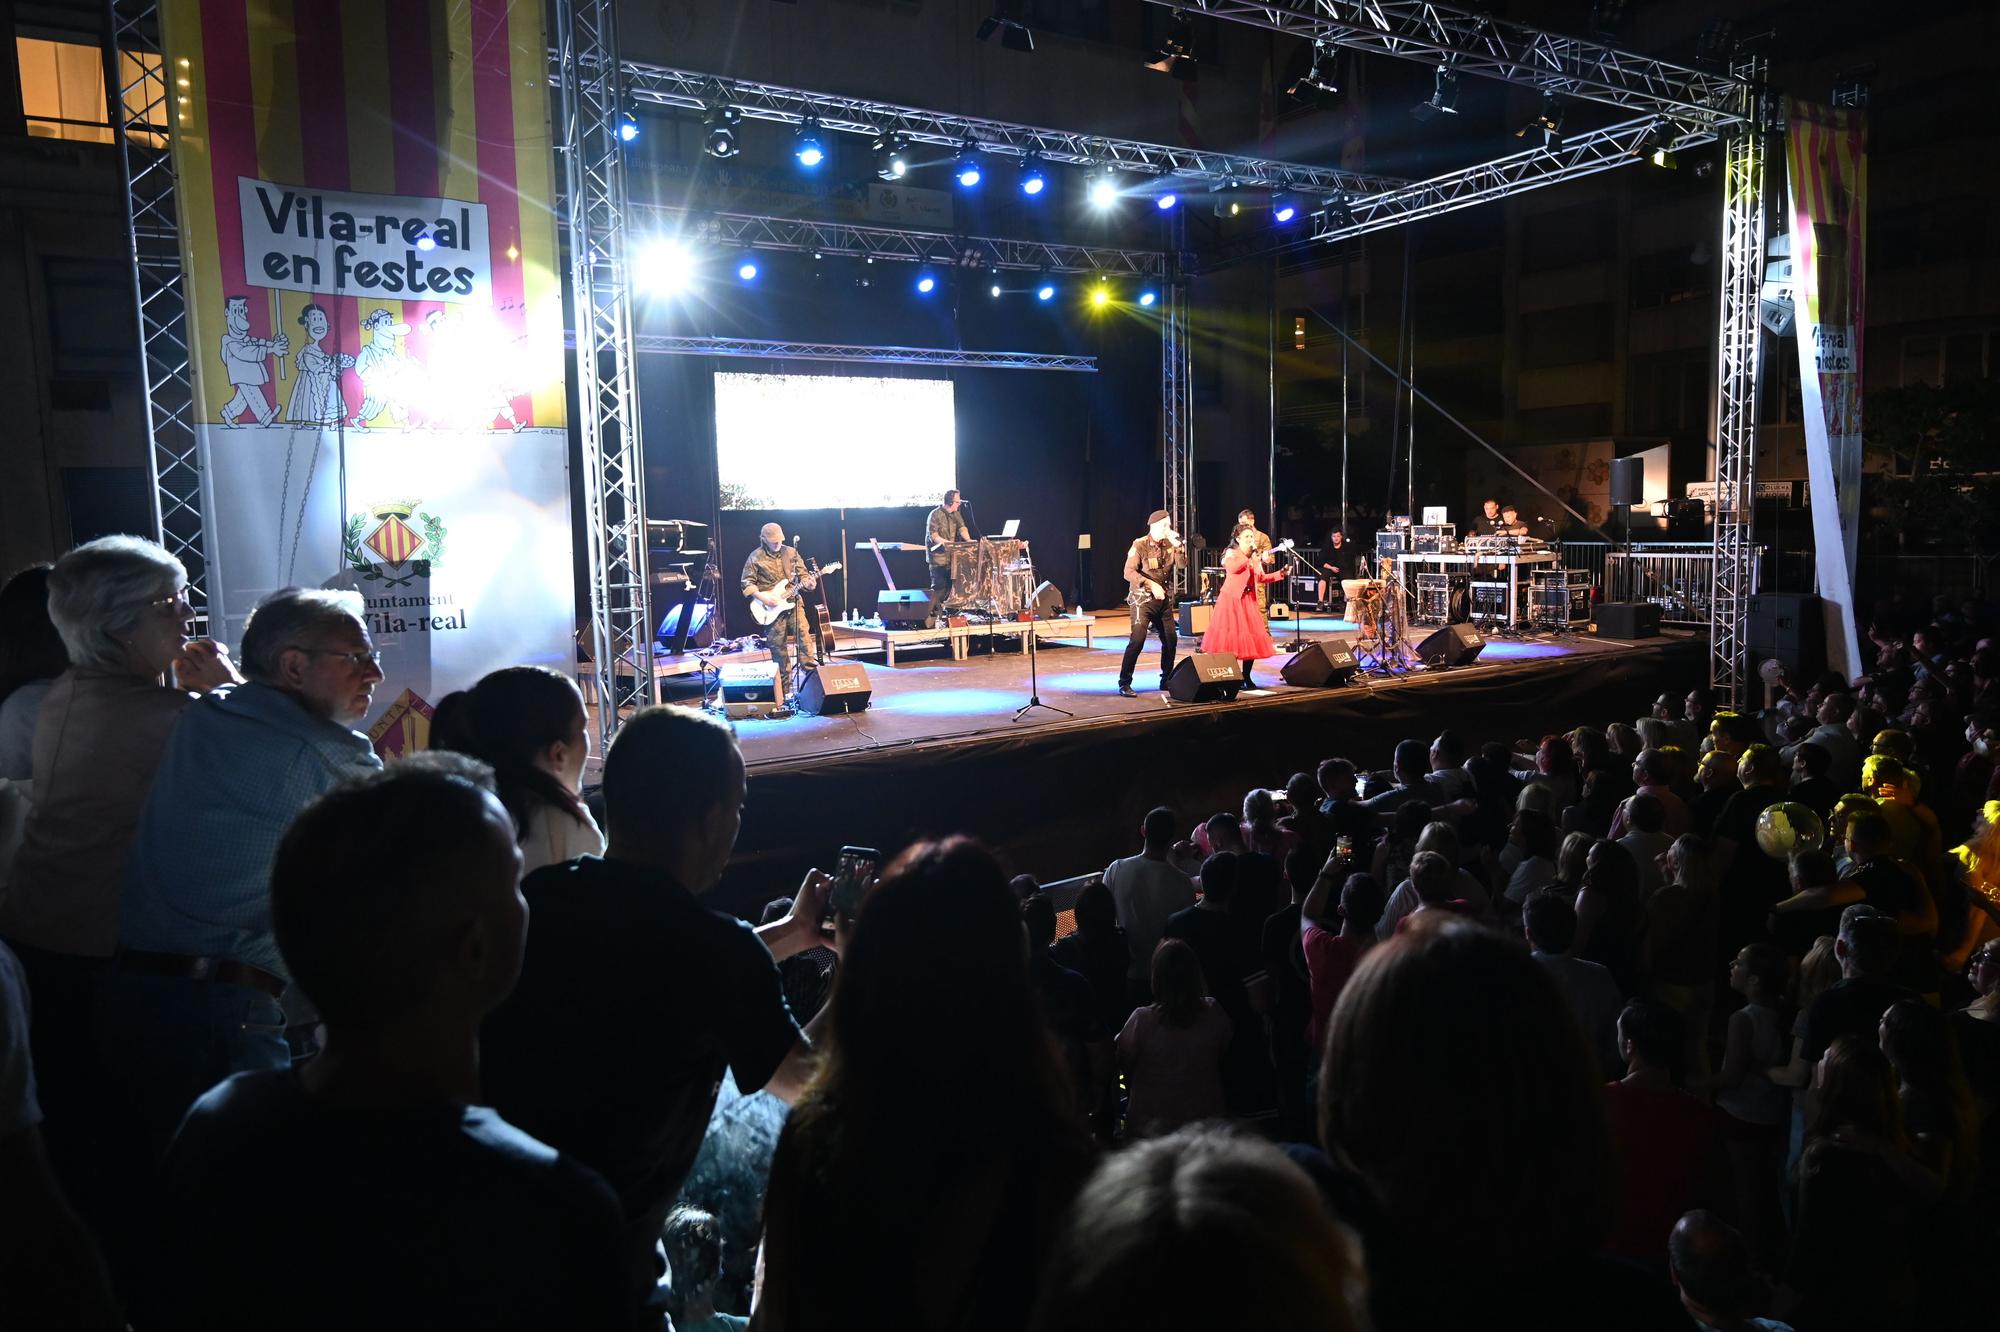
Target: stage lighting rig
column 1165, row 202
column 1147, row 297
column 970, row 168
column 718, row 124
column 1549, row 120
column 1283, row 208
column 1103, row 191
column 1655, row 145
column 1175, row 54
column 1229, row 199
column 1014, row 34
column 628, row 127
column 1339, row 212
column 927, row 282
column 808, row 146
column 665, row 268
column 1045, row 288
column 1443, row 99
column 746, row 268
column 1034, row 179
column 1320, row 75
column 892, row 155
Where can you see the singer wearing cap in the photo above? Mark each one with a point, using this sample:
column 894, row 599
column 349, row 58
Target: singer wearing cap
column 943, row 528
column 773, row 575
column 1150, row 568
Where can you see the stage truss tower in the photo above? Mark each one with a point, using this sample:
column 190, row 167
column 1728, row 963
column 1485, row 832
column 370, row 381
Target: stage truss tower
column 591, row 111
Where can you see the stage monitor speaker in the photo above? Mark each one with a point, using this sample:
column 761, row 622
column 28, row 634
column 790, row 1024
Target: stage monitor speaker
column 836, row 686
column 1628, row 619
column 1453, row 645
column 1205, row 677
column 1628, row 480
column 908, row 609
column 1790, row 626
column 1319, row 665
column 1194, row 617
column 1046, row 601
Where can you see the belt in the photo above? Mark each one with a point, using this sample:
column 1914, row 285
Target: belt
column 225, row 970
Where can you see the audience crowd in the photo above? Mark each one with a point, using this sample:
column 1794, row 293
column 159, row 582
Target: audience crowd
column 1683, row 1020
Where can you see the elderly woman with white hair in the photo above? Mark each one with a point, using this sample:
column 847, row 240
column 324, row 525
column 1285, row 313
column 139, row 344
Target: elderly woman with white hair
column 121, row 606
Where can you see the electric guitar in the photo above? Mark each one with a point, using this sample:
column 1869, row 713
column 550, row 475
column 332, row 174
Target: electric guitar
column 784, row 590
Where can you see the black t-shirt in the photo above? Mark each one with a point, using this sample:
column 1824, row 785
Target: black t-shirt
column 1227, row 950
column 1339, row 563
column 1351, row 818
column 283, row 1211
column 633, row 999
column 1852, row 1007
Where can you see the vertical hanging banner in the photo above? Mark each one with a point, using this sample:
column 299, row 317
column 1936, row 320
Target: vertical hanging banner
column 375, row 319
column 1826, row 158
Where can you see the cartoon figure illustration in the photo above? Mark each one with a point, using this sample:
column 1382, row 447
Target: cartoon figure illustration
column 243, row 356
column 385, row 371
column 471, row 376
column 318, row 400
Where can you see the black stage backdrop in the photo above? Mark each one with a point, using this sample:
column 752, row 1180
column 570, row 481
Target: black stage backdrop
column 1063, row 800
column 1066, row 453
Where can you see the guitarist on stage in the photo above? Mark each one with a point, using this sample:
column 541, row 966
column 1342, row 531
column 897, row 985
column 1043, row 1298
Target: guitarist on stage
column 773, row 575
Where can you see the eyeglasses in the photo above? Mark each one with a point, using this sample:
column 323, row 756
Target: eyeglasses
column 361, row 661
column 179, row 599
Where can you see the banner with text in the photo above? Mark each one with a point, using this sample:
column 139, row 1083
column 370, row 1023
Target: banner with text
column 1826, row 158
column 375, row 319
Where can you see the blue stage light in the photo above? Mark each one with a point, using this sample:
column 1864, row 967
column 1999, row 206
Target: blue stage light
column 926, row 283
column 1283, row 208
column 1147, row 297
column 1033, row 179
column 810, row 149
column 1046, row 292
column 746, row 269
column 628, row 128
column 1166, row 201
column 968, row 170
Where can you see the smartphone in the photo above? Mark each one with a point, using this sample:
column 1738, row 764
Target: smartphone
column 851, row 876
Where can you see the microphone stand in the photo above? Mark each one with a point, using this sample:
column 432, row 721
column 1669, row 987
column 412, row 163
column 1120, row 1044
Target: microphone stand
column 1033, row 634
column 1291, row 581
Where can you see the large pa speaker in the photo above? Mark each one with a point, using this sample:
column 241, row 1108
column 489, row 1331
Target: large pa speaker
column 1628, row 619
column 835, row 686
column 1046, row 601
column 1628, row 480
column 909, row 608
column 1453, row 645
column 1790, row 626
column 1205, row 677
column 1320, row 664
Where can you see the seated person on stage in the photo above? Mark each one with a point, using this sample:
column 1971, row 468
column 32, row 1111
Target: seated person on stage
column 944, row 527
column 419, row 1205
column 771, row 564
column 1238, row 625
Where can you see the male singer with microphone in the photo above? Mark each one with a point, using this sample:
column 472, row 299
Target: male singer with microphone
column 1150, row 567
column 944, row 528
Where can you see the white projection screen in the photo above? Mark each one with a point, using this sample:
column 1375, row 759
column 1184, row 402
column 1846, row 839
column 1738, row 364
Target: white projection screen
column 833, row 441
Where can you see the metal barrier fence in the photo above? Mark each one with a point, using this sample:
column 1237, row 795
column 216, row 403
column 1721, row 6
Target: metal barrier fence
column 1675, row 576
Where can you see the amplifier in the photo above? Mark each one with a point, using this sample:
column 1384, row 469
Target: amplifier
column 1442, row 597
column 1391, row 542
column 1433, row 538
column 749, row 690
column 1194, row 617
column 1555, row 605
column 1489, row 600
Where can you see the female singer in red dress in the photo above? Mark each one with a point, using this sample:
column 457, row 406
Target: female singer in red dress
column 1237, row 625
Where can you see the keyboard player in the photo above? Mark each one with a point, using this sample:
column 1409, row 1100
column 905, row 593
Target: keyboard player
column 945, row 527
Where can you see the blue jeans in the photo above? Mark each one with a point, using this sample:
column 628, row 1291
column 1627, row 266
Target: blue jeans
column 166, row 1041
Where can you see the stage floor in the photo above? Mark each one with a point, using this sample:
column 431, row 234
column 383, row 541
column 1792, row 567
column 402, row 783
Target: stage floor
column 929, row 698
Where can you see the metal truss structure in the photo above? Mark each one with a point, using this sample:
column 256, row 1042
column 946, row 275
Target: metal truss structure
column 1469, row 42
column 656, row 344
column 607, row 395
column 758, row 231
column 141, row 101
column 1739, row 345
column 689, row 90
column 1573, row 157
column 1177, row 404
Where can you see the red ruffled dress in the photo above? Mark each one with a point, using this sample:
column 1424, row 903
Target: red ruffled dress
column 1237, row 625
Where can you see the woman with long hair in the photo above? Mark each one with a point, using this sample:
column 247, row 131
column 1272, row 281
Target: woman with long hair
column 1237, row 626
column 527, row 722
column 1572, row 859
column 936, row 1149
column 1171, row 1051
column 1610, row 917
column 1471, row 1233
column 1262, row 832
column 1859, row 1195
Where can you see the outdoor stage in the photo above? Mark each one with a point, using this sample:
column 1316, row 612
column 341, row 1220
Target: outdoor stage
column 938, row 749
